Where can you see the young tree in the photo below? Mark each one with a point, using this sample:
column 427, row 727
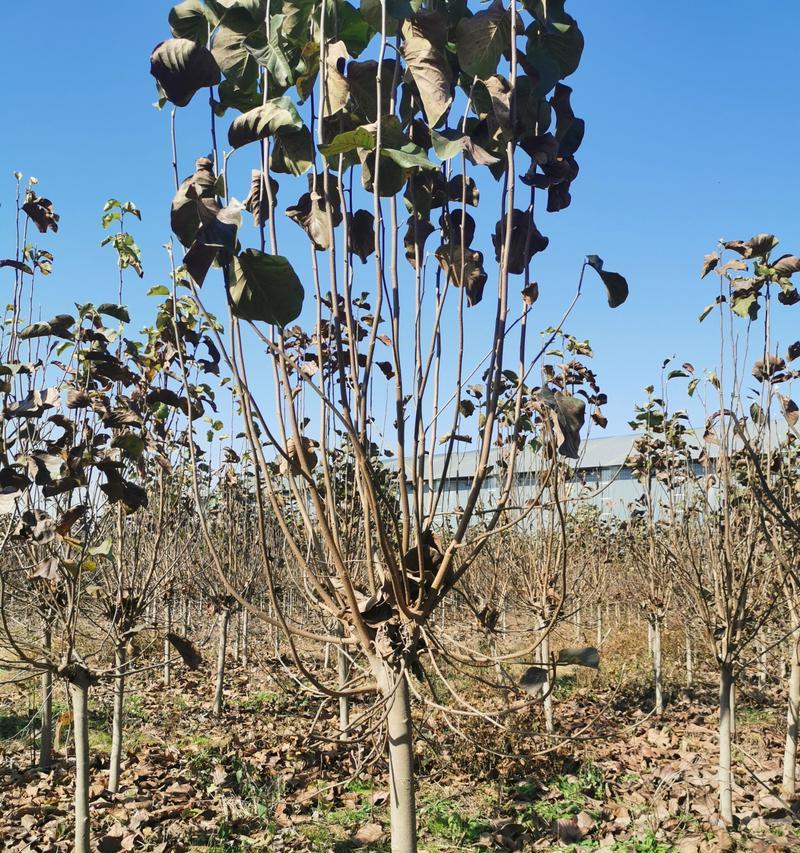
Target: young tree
column 431, row 117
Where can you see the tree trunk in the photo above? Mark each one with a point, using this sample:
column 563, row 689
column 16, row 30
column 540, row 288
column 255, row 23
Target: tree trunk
column 689, row 661
column 763, row 669
column 237, row 629
column 167, row 644
column 655, row 638
column 245, row 637
column 344, row 674
column 79, row 695
column 599, row 632
column 792, row 712
column 222, row 646
column 121, row 665
column 46, row 733
column 401, row 764
column 544, row 657
column 725, row 716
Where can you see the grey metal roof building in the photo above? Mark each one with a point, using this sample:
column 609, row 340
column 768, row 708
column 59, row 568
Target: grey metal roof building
column 603, row 475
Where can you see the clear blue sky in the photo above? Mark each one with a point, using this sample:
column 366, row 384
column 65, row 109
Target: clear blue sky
column 692, row 134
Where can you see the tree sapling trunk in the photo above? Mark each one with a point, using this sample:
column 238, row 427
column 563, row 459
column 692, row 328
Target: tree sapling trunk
column 793, row 711
column 79, row 681
column 120, row 661
column 222, row 647
column 725, row 740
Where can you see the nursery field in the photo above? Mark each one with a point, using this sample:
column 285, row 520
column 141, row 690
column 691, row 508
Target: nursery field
column 311, row 534
column 614, row 776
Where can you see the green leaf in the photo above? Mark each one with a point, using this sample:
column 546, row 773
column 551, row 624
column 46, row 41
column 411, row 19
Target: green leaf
column 450, row 143
column 709, row 308
column 481, row 40
column 158, row 290
column 350, row 140
column 272, row 54
column 118, row 312
column 265, row 287
column 408, row 157
column 293, row 152
column 193, row 20
column 233, row 58
column 59, row 327
column 354, row 30
column 129, row 442
column 745, row 306
column 560, row 47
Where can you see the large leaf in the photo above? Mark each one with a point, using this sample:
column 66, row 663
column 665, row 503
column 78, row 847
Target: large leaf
column 362, row 77
column 787, row 265
column 273, row 54
column 451, row 143
column 257, row 201
column 192, row 19
column 277, row 114
column 337, row 89
column 41, row 212
column 292, row 152
column 395, row 146
column 234, row 59
column 59, row 326
column 560, row 46
column 526, row 240
column 215, row 241
column 194, row 202
column 424, row 44
column 466, row 270
column 118, row 312
column 182, row 67
column 361, row 233
column 616, row 285
column 481, row 40
column 354, row 30
column 265, row 287
column 278, row 118
column 567, row 415
column 313, row 211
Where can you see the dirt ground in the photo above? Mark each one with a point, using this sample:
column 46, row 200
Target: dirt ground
column 615, row 778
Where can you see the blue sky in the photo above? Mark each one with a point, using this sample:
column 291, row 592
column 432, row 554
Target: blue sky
column 692, row 135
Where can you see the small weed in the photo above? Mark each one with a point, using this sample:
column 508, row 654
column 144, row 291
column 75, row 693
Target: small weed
column 442, row 820
column 134, row 707
column 754, row 716
column 258, row 701
column 648, row 843
column 360, row 786
column 573, row 791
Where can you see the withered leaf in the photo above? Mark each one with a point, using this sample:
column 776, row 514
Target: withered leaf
column 182, row 67
column 361, row 234
column 41, row 212
column 424, row 46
